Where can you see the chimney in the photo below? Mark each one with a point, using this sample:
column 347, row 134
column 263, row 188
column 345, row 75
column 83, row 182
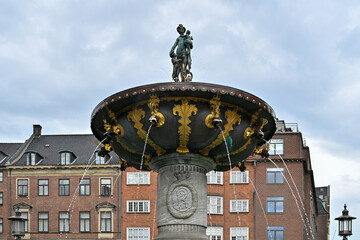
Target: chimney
column 37, row 130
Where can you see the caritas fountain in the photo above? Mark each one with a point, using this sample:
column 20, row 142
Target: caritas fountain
column 189, row 128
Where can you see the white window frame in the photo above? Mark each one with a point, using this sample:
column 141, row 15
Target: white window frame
column 145, row 236
column 216, row 232
column 239, row 233
column 214, row 177
column 138, row 178
column 133, row 206
column 276, row 146
column 238, row 177
column 213, row 202
column 239, row 205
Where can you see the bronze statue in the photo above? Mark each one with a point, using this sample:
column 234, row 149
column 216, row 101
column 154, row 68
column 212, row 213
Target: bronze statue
column 180, row 54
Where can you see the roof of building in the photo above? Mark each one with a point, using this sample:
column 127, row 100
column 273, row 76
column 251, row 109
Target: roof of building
column 48, row 148
column 7, row 150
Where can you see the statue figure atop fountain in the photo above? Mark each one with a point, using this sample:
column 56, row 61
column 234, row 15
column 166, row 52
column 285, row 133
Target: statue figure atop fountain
column 180, row 55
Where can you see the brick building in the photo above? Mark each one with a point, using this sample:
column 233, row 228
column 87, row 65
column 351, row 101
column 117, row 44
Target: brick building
column 66, row 190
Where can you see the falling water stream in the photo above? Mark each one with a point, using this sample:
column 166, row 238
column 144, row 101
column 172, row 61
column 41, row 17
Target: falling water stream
column 296, row 201
column 228, row 154
column 75, row 195
column 299, row 196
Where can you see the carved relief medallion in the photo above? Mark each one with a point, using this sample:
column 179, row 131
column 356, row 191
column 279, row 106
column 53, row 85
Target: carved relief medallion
column 181, row 199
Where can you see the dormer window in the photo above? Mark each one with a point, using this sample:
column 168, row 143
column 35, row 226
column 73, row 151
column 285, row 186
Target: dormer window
column 101, row 159
column 32, row 158
column 66, row 157
column 2, row 156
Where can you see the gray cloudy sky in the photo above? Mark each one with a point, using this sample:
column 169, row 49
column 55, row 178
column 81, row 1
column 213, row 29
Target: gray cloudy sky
column 59, row 59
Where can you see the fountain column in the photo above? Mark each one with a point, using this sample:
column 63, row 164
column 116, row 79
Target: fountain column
column 182, row 195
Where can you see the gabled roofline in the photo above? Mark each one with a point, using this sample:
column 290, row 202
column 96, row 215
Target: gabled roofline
column 18, row 154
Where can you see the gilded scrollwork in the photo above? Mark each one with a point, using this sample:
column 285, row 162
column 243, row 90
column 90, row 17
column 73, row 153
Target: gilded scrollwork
column 232, row 117
column 153, row 105
column 184, row 111
column 135, row 116
column 214, row 109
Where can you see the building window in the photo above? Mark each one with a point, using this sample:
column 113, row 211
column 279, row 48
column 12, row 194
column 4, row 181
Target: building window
column 136, row 233
column 141, row 178
column 65, row 158
column 84, row 187
column 134, row 206
column 31, row 158
column 214, row 177
column 84, row 221
column 43, row 222
column 239, row 177
column 1, row 226
column 64, row 187
column 25, row 215
column 64, row 222
column 100, row 159
column 276, row 147
column 214, row 205
column 105, row 221
column 214, row 233
column 239, row 233
column 43, row 187
column 22, row 188
column 1, row 198
column 239, row 205
column 275, row 175
column 275, row 204
column 275, row 233
column 105, row 186
column 1, row 176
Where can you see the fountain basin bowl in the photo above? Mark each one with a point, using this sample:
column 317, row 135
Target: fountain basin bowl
column 190, row 117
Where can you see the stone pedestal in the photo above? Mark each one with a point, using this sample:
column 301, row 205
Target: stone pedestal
column 182, row 195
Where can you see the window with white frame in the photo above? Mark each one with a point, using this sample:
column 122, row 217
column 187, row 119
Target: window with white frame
column 1, row 226
column 239, row 205
column 214, row 233
column 214, row 177
column 239, row 233
column 275, row 233
column 138, row 206
column 1, row 198
column 1, row 176
column 239, row 177
column 214, row 205
column 141, row 178
column 275, row 175
column 138, row 233
column 275, row 204
column 276, row 147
